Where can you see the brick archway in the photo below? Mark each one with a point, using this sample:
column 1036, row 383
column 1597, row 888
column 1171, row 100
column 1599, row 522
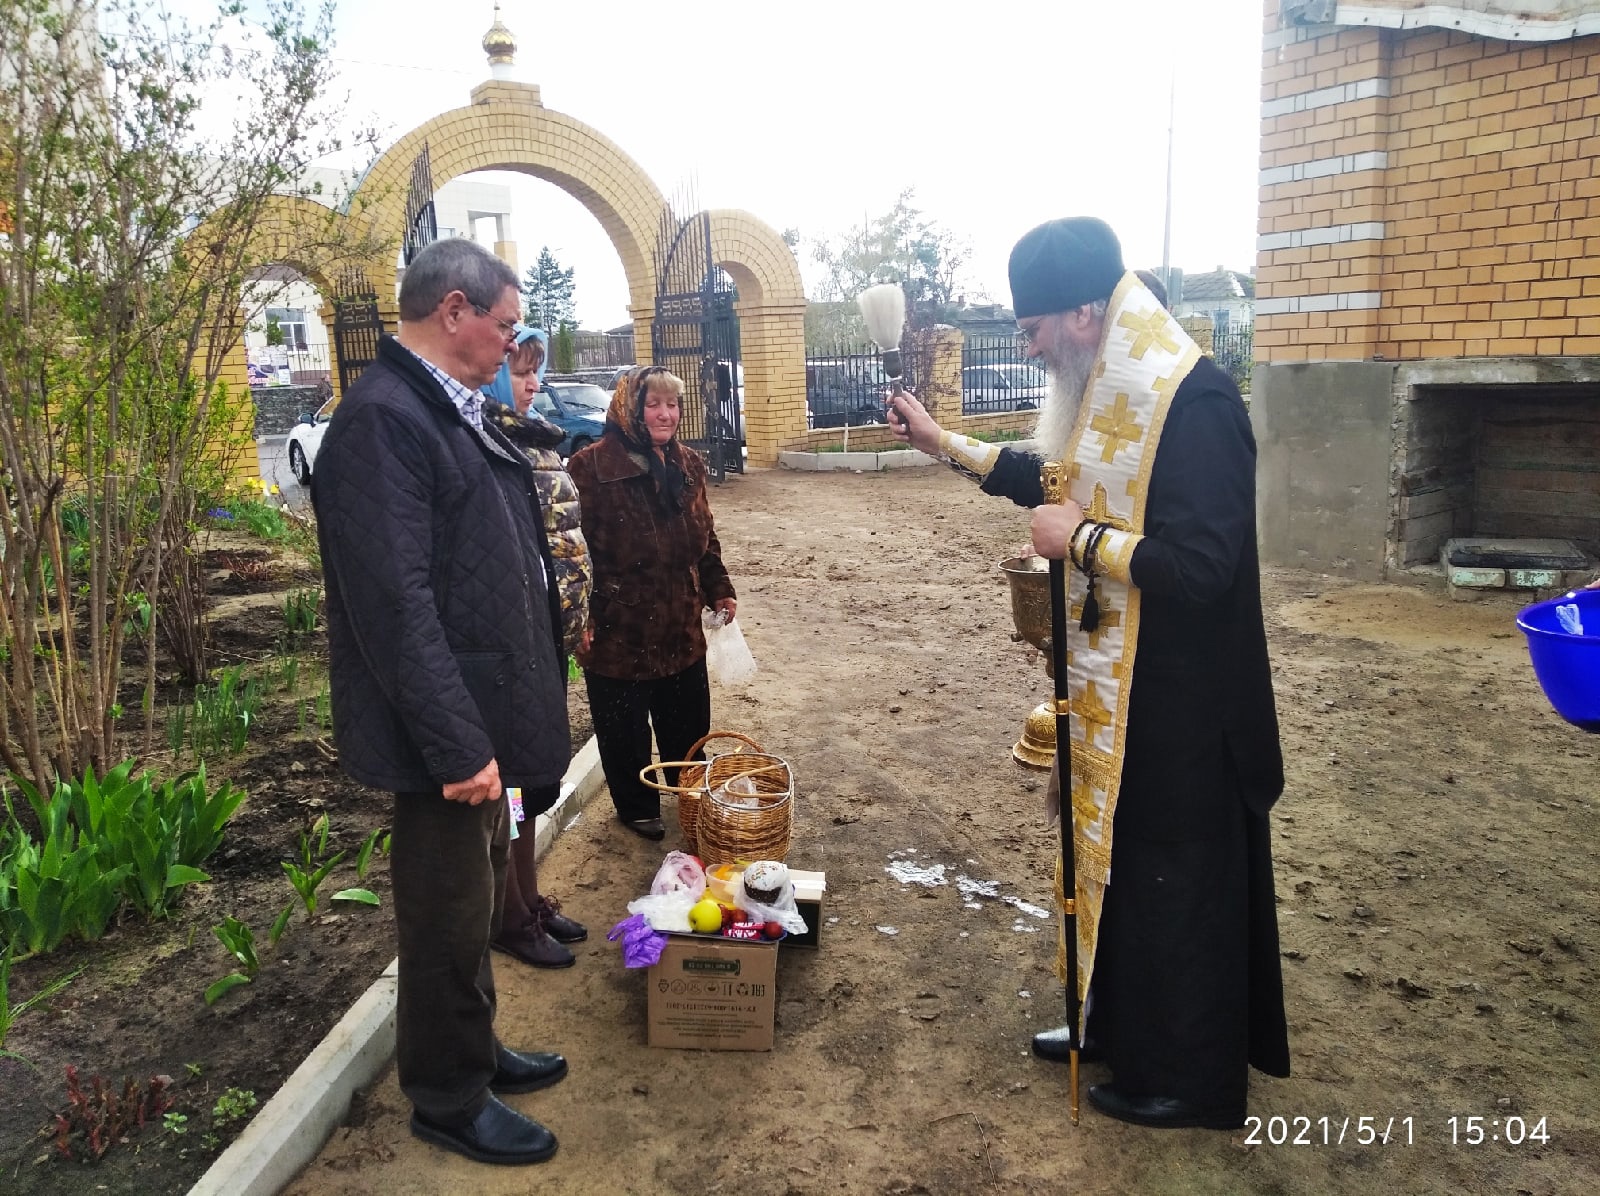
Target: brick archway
column 506, row 127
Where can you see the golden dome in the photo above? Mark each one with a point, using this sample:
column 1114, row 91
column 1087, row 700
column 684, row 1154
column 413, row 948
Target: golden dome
column 499, row 43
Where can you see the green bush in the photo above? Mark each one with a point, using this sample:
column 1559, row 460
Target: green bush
column 57, row 887
column 260, row 519
column 105, row 842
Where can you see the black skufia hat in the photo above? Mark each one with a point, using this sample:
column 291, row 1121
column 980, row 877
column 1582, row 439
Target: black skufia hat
column 1063, row 264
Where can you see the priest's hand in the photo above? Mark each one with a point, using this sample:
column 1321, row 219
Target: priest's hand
column 1052, row 524
column 911, row 424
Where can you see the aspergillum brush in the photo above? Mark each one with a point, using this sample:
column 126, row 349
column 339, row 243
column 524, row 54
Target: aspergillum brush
column 883, row 307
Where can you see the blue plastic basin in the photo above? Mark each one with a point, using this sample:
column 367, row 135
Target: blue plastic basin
column 1567, row 665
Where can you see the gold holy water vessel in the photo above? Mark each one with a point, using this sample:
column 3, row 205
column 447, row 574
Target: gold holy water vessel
column 1029, row 577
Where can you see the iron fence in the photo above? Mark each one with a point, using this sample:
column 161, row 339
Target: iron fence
column 846, row 385
column 1233, row 348
column 280, row 366
column 996, row 376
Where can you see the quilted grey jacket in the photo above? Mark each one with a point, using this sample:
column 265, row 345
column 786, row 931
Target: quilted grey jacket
column 442, row 623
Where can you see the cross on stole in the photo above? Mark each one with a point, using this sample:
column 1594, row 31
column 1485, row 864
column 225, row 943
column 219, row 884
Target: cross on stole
column 1117, row 427
column 1083, row 803
column 1108, row 619
column 1151, row 329
column 1092, row 711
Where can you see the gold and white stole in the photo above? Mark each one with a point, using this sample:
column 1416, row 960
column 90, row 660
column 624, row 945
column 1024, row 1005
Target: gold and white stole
column 1143, row 357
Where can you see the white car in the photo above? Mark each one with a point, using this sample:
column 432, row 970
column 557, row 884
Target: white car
column 305, row 438
column 1004, row 386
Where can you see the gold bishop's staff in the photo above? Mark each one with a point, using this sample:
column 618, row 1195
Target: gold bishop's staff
column 1052, row 478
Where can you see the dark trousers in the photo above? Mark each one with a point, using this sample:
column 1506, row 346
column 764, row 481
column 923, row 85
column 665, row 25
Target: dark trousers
column 679, row 707
column 447, row 866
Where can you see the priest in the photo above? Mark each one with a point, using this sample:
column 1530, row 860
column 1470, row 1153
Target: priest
column 1175, row 761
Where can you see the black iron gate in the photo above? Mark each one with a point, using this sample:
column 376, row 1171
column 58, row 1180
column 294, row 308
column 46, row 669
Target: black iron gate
column 422, row 222
column 696, row 336
column 356, row 326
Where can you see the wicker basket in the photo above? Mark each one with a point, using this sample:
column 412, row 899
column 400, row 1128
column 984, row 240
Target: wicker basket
column 691, row 782
column 728, row 831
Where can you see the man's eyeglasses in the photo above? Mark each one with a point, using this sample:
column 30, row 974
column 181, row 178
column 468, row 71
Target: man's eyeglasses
column 1025, row 336
column 507, row 329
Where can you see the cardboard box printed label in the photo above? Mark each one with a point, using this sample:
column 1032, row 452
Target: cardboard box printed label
column 713, row 993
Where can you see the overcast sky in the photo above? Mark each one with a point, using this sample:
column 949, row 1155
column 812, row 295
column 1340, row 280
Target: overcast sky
column 813, row 115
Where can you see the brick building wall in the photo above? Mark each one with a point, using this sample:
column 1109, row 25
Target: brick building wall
column 1426, row 193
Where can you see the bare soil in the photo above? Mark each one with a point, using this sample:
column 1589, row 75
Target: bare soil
column 1438, row 904
column 1435, row 869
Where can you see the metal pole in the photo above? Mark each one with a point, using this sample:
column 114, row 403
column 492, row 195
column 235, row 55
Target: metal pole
column 1166, row 232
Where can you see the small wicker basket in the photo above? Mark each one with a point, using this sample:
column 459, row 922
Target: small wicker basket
column 691, row 782
column 730, row 830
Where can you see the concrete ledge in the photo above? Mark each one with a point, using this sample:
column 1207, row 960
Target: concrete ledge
column 858, row 462
column 292, row 1128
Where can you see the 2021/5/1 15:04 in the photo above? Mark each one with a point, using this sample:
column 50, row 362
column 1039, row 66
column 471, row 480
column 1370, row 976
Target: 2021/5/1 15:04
column 1389, row 1131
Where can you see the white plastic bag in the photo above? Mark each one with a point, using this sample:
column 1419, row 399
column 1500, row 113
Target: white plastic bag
column 680, row 872
column 784, row 911
column 665, row 911
column 728, row 658
column 740, row 792
column 1571, row 620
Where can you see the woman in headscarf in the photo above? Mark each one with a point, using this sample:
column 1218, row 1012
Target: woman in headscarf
column 657, row 564
column 532, row 926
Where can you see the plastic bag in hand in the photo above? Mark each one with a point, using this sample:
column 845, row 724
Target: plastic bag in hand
column 728, row 657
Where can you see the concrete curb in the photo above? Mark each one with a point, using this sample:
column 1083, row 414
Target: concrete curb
column 292, row 1128
column 858, row 462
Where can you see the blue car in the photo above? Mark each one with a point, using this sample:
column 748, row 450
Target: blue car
column 577, row 408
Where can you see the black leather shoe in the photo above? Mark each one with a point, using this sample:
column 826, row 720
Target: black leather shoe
column 534, row 947
column 556, row 924
column 1161, row 1112
column 525, row 1071
column 647, row 828
column 1055, row 1046
column 496, row 1135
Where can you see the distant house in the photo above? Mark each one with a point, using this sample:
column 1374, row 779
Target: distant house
column 1227, row 296
column 984, row 319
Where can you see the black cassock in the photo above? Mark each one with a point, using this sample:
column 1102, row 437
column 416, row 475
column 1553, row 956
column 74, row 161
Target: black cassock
column 1188, row 988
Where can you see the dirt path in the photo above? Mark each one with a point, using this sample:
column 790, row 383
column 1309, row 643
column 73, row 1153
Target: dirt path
column 1436, row 877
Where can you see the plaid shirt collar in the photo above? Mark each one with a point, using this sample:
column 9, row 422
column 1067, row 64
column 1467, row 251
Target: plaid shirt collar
column 467, row 400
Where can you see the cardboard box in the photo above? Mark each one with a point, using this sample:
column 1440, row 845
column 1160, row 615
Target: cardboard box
column 713, row 993
column 809, row 890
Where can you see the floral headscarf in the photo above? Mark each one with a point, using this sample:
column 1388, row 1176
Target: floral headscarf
column 625, row 419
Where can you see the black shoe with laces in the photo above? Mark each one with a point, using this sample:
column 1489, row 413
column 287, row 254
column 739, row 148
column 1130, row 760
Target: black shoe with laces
column 556, row 924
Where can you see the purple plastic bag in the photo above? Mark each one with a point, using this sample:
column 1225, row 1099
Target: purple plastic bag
column 641, row 946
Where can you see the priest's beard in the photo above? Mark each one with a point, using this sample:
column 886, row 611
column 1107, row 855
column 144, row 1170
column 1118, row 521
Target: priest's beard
column 1068, row 366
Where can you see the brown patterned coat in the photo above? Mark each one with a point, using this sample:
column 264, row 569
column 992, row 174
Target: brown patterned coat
column 654, row 570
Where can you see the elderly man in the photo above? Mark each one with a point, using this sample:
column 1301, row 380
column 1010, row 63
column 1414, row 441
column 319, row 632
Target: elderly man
column 1174, row 751
column 447, row 683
